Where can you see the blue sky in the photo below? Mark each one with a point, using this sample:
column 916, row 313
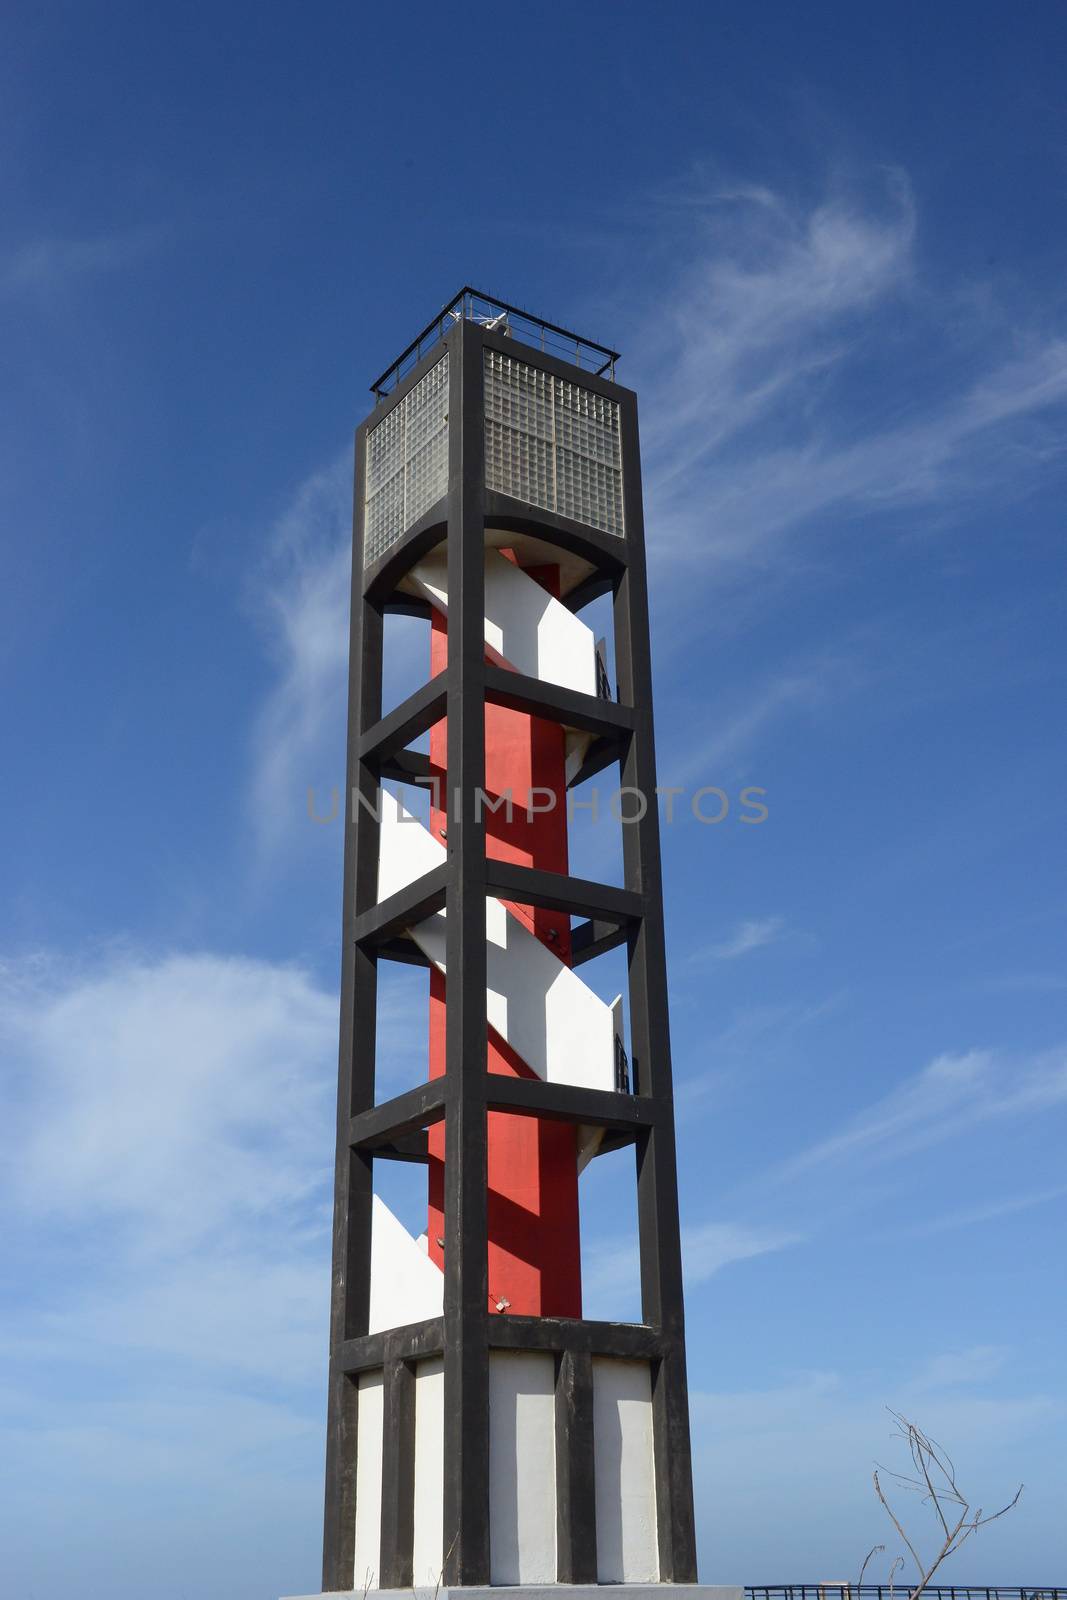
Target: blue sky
column 830, row 242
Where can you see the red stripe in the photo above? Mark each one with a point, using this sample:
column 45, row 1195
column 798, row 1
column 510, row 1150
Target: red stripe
column 534, row 1249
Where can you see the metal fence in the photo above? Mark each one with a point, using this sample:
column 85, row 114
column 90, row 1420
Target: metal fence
column 899, row 1591
column 477, row 306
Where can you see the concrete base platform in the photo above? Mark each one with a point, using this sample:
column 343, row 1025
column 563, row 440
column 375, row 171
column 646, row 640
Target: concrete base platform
column 547, row 1591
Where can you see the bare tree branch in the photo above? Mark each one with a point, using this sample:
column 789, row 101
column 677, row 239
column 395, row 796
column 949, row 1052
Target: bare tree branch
column 873, row 1551
column 935, row 1481
column 896, row 1524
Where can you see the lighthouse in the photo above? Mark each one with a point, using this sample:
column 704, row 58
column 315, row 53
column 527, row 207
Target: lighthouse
column 481, row 1430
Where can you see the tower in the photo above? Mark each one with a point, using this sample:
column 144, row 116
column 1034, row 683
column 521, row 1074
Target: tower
column 480, row 1430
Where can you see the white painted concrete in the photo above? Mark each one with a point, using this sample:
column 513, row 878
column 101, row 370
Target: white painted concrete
column 406, row 849
column 368, row 1479
column 555, row 1591
column 405, row 1284
column 626, row 1542
column 522, row 1467
column 589, row 1138
column 428, row 1546
column 525, row 627
column 561, row 1029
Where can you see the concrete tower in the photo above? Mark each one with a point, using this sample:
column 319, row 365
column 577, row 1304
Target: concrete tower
column 480, row 1430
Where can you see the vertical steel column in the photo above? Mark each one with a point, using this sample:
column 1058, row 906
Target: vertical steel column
column 657, row 1175
column 466, row 1356
column 350, row 1290
column 395, row 1563
column 575, row 1469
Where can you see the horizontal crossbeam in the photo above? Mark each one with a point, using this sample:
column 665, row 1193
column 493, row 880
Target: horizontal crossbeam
column 568, row 1102
column 531, row 886
column 622, row 1339
column 408, row 906
column 417, row 1340
column 602, row 753
column 406, row 766
column 403, row 950
column 406, row 721
column 412, row 1342
column 557, row 704
column 593, row 938
column 405, row 1113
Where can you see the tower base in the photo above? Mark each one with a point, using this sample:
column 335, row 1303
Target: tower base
column 546, row 1591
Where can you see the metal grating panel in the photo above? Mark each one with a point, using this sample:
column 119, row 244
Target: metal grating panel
column 407, row 462
column 553, row 444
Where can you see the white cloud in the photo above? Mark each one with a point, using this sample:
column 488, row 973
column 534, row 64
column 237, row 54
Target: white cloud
column 42, row 265
column 991, row 1211
column 809, row 1442
column 715, row 754
column 751, row 432
column 170, row 1129
column 709, row 1247
column 951, row 451
column 1026, row 983
column 172, row 1122
column 180, row 1099
column 763, row 1033
column 977, row 1364
column 255, row 1308
column 167, row 1202
column 303, row 595
column 751, row 934
column 167, row 1196
column 763, row 306
column 949, row 1096
column 706, row 1249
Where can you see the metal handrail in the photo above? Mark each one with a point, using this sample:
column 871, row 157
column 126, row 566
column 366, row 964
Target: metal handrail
column 900, row 1591
column 464, row 306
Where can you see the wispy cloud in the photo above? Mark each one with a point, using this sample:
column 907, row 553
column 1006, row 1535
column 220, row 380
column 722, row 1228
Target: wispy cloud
column 167, row 1203
column 952, row 1094
column 747, row 1443
column 990, row 1211
column 1026, row 983
column 43, row 265
column 953, row 451
column 979, row 1363
column 710, row 1246
column 763, row 306
column 715, row 753
column 766, row 380
column 302, row 594
column 751, row 934
column 706, row 1249
column 167, row 1197
column 202, row 1077
column 761, row 1033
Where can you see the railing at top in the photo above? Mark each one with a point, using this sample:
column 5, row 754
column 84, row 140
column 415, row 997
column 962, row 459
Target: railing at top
column 899, row 1591
column 474, row 306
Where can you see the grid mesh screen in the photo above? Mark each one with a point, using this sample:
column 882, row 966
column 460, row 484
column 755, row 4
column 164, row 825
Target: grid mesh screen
column 407, row 462
column 552, row 443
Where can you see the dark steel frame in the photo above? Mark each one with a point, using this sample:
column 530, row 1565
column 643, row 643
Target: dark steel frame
column 633, row 916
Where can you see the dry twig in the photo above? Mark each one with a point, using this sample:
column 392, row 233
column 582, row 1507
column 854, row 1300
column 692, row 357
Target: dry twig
column 935, row 1481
